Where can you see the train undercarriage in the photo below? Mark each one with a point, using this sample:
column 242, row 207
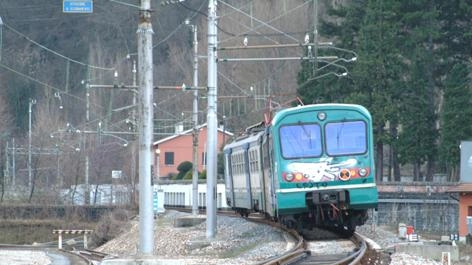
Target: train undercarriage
column 326, row 210
column 327, row 214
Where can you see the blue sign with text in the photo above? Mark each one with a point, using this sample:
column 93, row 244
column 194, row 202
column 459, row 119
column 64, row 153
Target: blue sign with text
column 77, row 6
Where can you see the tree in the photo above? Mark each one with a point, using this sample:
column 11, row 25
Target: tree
column 456, row 118
column 418, row 138
column 183, row 168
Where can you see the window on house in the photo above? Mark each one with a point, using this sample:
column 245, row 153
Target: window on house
column 169, row 158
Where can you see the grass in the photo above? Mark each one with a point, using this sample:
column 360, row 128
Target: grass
column 35, row 231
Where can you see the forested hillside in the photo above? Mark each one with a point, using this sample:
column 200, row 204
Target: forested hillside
column 413, row 74
column 53, row 65
column 408, row 62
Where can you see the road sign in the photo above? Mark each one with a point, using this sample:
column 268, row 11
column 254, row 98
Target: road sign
column 77, row 6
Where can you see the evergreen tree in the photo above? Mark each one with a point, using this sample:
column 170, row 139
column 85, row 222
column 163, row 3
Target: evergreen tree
column 417, row 141
column 456, row 118
column 456, row 28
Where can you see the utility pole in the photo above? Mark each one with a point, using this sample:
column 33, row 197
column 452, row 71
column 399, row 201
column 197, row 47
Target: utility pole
column 212, row 121
column 30, row 107
column 195, row 122
column 315, row 36
column 1, row 37
column 145, row 128
column 133, row 147
column 84, row 140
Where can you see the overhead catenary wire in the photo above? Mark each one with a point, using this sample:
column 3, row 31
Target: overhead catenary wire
column 262, row 23
column 56, row 53
column 41, row 82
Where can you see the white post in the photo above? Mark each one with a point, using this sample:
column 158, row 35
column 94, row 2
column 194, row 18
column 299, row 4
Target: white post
column 195, row 123
column 59, row 241
column 145, row 73
column 30, row 106
column 85, row 240
column 212, row 121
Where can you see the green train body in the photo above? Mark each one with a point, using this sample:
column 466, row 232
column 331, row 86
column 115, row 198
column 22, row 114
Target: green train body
column 311, row 166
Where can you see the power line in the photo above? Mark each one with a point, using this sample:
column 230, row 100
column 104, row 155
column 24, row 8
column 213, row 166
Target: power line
column 56, row 53
column 266, row 23
column 41, row 82
column 125, row 3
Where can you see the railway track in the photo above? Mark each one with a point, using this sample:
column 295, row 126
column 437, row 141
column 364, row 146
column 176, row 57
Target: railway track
column 306, row 252
column 93, row 257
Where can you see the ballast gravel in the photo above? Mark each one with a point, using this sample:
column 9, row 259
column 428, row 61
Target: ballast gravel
column 236, row 242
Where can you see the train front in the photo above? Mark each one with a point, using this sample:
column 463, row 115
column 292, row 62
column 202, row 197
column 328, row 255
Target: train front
column 324, row 163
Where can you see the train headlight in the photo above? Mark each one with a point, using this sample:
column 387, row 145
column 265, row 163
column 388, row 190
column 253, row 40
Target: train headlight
column 289, row 177
column 321, row 116
column 363, row 172
column 298, row 176
column 344, row 174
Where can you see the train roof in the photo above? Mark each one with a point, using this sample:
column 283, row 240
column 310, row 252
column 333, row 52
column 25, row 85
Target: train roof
column 244, row 140
column 326, row 106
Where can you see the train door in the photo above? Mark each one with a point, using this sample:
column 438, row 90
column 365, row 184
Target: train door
column 228, row 178
column 255, row 167
column 271, row 202
column 265, row 178
column 247, row 171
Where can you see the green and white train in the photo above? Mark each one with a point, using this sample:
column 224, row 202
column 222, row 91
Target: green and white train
column 310, row 166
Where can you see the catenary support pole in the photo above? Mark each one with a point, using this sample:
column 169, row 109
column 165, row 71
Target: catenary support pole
column 195, row 123
column 145, row 76
column 212, row 121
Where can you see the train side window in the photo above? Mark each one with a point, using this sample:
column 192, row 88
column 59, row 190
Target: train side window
column 169, row 158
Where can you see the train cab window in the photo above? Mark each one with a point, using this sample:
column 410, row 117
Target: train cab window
column 300, row 140
column 169, row 158
column 345, row 138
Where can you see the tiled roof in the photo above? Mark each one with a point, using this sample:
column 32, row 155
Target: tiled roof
column 462, row 187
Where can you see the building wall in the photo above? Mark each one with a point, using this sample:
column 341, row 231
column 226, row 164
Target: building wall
column 428, row 216
column 465, row 201
column 425, row 206
column 182, row 146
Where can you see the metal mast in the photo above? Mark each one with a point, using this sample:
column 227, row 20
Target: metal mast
column 195, row 123
column 212, row 121
column 145, row 66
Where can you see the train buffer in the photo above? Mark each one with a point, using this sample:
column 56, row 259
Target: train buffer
column 61, row 232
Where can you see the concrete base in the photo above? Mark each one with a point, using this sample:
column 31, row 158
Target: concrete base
column 431, row 250
column 190, row 220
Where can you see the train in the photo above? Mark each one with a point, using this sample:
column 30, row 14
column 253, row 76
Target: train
column 309, row 167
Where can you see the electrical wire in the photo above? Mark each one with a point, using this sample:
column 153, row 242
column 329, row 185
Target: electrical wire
column 125, row 4
column 43, row 84
column 264, row 23
column 56, row 53
column 205, row 15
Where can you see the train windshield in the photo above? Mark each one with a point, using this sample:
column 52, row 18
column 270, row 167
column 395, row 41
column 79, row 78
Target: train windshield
column 300, row 140
column 346, row 138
